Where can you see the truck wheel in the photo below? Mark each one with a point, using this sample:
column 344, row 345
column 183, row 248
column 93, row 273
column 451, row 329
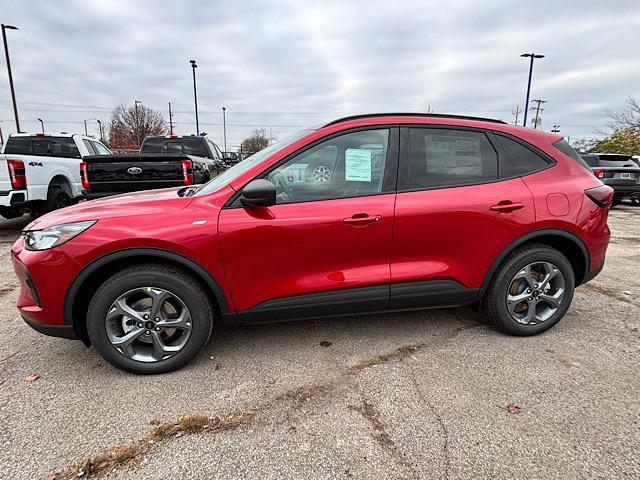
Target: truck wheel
column 58, row 196
column 150, row 319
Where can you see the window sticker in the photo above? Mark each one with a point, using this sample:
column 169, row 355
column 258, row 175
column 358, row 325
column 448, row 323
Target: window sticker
column 457, row 156
column 357, row 165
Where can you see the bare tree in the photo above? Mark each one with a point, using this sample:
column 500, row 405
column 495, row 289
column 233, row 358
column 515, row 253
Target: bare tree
column 256, row 142
column 628, row 118
column 131, row 124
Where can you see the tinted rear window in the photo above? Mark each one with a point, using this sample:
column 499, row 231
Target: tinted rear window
column 183, row 146
column 591, row 160
column 568, row 150
column 43, row 146
column 520, row 160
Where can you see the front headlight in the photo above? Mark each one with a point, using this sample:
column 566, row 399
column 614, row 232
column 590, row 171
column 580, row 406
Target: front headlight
column 54, row 236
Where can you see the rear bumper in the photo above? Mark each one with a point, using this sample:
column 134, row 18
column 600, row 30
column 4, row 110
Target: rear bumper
column 591, row 275
column 626, row 189
column 13, row 198
column 93, row 195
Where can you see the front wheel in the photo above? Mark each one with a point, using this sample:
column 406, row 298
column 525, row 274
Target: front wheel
column 150, row 319
column 531, row 291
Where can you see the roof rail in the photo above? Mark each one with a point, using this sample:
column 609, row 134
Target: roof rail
column 405, row 114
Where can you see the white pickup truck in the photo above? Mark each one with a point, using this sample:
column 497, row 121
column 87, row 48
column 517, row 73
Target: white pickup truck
column 41, row 172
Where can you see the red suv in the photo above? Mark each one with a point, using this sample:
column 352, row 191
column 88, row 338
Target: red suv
column 365, row 214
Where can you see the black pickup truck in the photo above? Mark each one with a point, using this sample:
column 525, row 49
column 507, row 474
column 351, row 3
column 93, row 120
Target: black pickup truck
column 163, row 161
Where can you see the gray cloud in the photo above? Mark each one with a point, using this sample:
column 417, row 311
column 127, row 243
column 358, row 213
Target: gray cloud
column 284, row 65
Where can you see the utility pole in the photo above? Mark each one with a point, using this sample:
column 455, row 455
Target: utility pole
column 136, row 102
column 537, row 120
column 555, row 129
column 195, row 94
column 224, row 126
column 6, row 54
column 85, row 129
column 516, row 113
column 526, row 104
column 170, row 120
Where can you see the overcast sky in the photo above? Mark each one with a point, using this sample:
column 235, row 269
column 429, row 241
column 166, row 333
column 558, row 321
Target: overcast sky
column 286, row 65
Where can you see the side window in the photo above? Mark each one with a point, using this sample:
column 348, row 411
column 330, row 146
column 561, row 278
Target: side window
column 521, row 160
column 348, row 165
column 18, row 145
column 100, row 149
column 445, row 157
column 63, row 147
column 89, row 146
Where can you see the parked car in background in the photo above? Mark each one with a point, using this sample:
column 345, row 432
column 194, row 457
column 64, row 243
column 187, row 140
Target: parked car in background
column 620, row 172
column 164, row 161
column 419, row 211
column 40, row 172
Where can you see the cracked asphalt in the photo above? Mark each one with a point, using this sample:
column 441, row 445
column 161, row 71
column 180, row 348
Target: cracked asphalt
column 412, row 395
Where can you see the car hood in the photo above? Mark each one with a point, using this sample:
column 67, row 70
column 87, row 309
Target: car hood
column 127, row 204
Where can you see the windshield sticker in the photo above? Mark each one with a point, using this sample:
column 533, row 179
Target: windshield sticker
column 357, row 165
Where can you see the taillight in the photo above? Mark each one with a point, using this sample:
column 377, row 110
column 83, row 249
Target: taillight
column 187, row 172
column 16, row 173
column 599, row 173
column 84, row 176
column 601, row 196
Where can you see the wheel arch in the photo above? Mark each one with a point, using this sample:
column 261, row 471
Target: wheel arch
column 567, row 243
column 60, row 179
column 90, row 278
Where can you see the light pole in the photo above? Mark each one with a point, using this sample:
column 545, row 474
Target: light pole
column 135, row 103
column 99, row 126
column 224, row 127
column 526, row 105
column 41, row 124
column 6, row 54
column 195, row 94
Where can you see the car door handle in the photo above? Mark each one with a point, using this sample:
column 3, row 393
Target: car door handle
column 361, row 219
column 506, row 206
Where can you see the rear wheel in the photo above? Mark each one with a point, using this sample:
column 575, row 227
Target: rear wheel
column 150, row 319
column 531, row 291
column 58, row 196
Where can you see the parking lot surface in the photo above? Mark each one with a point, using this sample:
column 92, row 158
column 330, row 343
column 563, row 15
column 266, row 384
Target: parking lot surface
column 436, row 394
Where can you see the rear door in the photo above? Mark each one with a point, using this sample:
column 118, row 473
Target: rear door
column 324, row 247
column 454, row 215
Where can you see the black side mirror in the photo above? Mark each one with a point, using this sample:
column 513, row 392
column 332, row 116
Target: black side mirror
column 259, row 193
column 230, row 157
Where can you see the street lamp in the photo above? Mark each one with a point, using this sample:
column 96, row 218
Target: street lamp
column 99, row 126
column 195, row 95
column 526, row 105
column 6, row 54
column 41, row 124
column 224, row 127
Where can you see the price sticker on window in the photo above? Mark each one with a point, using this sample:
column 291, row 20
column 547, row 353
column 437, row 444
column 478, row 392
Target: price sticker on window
column 357, row 165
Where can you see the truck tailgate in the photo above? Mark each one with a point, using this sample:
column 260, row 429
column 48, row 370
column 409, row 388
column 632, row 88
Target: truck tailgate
column 133, row 172
column 5, row 181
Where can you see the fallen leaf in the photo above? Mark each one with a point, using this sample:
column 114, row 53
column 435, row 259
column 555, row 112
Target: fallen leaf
column 218, row 366
column 97, row 365
column 325, row 343
column 513, row 408
column 32, row 378
column 179, row 434
column 53, row 476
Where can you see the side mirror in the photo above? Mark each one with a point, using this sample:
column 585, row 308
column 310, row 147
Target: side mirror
column 259, row 193
column 230, row 157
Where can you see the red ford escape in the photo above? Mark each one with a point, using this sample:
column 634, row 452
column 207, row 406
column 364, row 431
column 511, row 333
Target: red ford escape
column 365, row 214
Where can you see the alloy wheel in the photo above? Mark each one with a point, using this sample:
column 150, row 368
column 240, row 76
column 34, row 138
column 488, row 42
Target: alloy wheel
column 535, row 293
column 148, row 324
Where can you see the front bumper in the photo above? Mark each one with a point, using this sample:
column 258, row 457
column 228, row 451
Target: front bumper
column 44, row 277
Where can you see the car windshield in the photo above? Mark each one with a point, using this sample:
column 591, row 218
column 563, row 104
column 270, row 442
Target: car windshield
column 238, row 169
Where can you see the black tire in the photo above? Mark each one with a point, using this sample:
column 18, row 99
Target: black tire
column 495, row 304
column 58, row 196
column 182, row 285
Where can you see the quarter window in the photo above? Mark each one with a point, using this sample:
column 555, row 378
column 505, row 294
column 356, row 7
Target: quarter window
column 89, row 147
column 100, row 149
column 444, row 157
column 348, row 165
column 520, row 159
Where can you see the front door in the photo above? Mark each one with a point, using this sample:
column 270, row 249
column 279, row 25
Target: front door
column 324, row 247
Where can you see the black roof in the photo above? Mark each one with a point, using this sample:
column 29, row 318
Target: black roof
column 406, row 114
